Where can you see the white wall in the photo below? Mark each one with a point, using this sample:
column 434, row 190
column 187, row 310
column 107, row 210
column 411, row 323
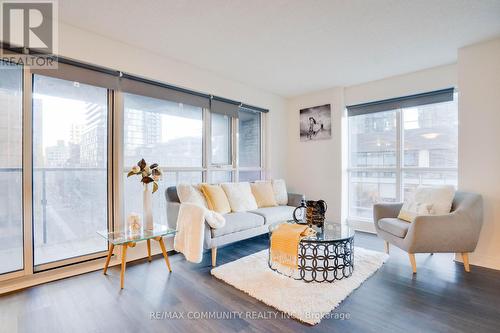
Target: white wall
column 403, row 85
column 317, row 167
column 479, row 139
column 96, row 49
column 314, row 168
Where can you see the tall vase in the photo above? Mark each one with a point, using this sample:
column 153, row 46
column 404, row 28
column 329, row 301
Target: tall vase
column 147, row 211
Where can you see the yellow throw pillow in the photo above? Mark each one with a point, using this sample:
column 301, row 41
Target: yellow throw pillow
column 264, row 194
column 216, row 198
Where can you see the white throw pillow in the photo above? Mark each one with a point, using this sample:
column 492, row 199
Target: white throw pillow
column 427, row 200
column 240, row 196
column 280, row 192
column 191, row 194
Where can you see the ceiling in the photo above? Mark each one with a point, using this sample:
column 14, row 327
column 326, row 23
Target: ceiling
column 290, row 47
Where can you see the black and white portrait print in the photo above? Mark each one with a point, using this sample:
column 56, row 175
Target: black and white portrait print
column 316, row 123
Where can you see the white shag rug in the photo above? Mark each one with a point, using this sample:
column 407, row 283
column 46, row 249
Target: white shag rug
column 307, row 302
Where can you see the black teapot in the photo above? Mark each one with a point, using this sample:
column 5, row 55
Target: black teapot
column 314, row 212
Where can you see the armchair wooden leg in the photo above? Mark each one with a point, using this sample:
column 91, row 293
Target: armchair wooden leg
column 413, row 262
column 386, row 247
column 214, row 256
column 465, row 259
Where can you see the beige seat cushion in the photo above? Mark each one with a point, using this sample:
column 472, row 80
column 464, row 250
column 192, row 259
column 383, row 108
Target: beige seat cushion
column 275, row 214
column 394, row 226
column 238, row 222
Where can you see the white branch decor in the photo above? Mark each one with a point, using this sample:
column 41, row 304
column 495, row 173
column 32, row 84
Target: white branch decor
column 149, row 173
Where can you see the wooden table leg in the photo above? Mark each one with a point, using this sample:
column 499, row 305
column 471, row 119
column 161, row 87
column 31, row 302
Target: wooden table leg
column 110, row 253
column 149, row 249
column 165, row 255
column 124, row 263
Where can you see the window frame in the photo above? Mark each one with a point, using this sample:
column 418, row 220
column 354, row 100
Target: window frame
column 25, row 198
column 399, row 169
column 260, row 168
column 63, row 74
column 209, row 166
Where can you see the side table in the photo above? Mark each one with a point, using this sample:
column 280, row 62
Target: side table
column 127, row 239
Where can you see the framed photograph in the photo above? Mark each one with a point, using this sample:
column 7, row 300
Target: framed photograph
column 316, row 123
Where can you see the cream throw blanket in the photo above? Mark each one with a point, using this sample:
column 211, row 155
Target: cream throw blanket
column 191, row 228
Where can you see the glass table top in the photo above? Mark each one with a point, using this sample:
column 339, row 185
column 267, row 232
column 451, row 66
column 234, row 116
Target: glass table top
column 122, row 237
column 331, row 232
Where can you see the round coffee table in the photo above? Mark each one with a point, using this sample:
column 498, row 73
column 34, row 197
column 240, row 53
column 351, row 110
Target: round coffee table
column 325, row 257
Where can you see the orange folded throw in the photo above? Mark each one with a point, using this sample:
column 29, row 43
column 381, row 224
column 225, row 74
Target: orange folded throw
column 285, row 243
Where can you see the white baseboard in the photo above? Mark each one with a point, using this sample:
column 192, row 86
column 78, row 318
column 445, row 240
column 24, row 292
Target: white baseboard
column 482, row 261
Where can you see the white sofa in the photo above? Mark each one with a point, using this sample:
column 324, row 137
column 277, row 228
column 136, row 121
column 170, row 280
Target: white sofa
column 240, row 225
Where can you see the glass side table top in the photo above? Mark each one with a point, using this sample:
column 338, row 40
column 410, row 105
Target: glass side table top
column 122, row 237
column 331, row 232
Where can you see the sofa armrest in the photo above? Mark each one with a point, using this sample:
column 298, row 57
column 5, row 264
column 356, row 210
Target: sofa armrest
column 294, row 199
column 172, row 213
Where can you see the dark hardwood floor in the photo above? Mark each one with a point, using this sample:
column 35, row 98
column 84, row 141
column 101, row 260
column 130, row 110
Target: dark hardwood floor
column 440, row 298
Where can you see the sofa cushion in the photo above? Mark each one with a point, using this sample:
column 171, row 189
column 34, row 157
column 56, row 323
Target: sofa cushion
column 188, row 193
column 240, row 196
column 238, row 222
column 394, row 226
column 216, row 198
column 280, row 192
column 275, row 214
column 264, row 194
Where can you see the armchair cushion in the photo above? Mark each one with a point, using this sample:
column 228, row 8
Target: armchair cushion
column 394, row 226
column 427, row 200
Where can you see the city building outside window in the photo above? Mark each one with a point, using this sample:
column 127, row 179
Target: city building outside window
column 393, row 151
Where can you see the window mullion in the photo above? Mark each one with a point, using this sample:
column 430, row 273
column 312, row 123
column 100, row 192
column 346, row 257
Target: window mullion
column 206, row 137
column 27, row 156
column 399, row 154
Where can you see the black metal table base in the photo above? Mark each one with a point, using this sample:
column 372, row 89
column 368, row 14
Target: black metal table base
column 323, row 261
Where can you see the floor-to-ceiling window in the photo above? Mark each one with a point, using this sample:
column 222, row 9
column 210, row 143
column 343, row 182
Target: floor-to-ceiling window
column 11, row 203
column 70, row 133
column 396, row 145
column 221, row 157
column 164, row 132
column 249, row 146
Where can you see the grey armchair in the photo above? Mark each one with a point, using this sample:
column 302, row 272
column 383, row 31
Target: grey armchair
column 455, row 232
